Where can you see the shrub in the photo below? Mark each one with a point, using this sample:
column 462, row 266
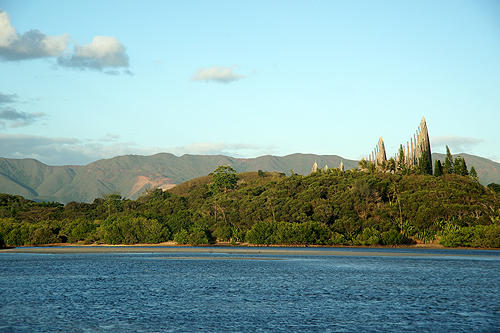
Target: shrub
column 182, row 237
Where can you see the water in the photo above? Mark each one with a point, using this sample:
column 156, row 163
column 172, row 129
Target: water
column 424, row 291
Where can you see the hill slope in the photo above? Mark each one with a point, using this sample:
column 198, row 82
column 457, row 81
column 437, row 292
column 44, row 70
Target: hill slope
column 130, row 175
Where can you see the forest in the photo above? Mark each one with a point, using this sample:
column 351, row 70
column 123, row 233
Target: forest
column 369, row 205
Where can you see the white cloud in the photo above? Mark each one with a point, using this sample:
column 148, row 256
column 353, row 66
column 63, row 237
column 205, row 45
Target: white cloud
column 220, row 148
column 61, row 151
column 455, row 143
column 71, row 151
column 30, row 45
column 103, row 53
column 218, row 74
column 109, row 137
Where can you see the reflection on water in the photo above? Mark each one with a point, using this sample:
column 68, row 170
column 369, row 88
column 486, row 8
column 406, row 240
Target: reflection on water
column 168, row 292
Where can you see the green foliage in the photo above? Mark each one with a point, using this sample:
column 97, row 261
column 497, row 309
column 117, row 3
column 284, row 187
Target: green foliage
column 133, row 230
column 473, row 173
column 454, row 235
column 18, row 233
column 79, row 230
column 392, row 237
column 448, row 162
column 289, row 233
column 369, row 236
column 401, row 165
column 460, row 167
column 182, row 237
column 200, row 235
column 494, row 187
column 223, row 179
column 424, row 166
column 425, row 235
column 438, row 168
column 324, row 208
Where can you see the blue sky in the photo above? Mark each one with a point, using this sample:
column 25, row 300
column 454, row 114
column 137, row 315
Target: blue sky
column 86, row 80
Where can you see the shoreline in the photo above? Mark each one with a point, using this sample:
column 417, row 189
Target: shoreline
column 243, row 248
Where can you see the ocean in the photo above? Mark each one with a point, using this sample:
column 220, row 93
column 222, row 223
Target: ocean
column 260, row 290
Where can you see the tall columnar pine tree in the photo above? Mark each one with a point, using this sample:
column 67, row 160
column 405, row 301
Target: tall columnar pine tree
column 448, row 162
column 438, row 168
column 424, row 167
column 401, row 160
column 460, row 167
column 465, row 172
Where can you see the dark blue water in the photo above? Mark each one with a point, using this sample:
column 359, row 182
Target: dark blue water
column 155, row 292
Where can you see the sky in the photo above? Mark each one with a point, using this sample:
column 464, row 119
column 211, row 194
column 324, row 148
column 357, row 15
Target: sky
column 86, row 80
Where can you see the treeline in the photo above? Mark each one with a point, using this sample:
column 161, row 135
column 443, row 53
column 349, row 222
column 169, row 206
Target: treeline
column 325, row 208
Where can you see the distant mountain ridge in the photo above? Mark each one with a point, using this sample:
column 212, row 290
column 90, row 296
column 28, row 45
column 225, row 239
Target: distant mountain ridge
column 130, row 175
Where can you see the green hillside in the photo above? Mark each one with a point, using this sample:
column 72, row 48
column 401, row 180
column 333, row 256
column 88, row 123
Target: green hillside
column 130, row 175
column 324, row 208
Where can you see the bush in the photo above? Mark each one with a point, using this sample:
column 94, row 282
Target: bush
column 262, row 233
column 369, row 236
column 199, row 236
column 392, row 237
column 133, row 230
column 182, row 237
column 474, row 236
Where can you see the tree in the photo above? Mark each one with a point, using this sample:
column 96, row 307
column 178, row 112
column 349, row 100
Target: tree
column 460, row 167
column 438, row 168
column 494, row 187
column 223, row 179
column 112, row 201
column 424, row 168
column 448, row 162
column 363, row 164
column 392, row 164
column 473, row 174
column 401, row 160
column 463, row 166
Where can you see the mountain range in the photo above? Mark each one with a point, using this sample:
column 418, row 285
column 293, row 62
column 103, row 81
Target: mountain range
column 130, row 175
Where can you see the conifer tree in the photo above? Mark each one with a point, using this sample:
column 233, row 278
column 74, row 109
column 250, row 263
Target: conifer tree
column 473, row 173
column 460, row 167
column 401, row 160
column 424, row 167
column 438, row 168
column 457, row 165
column 448, row 162
column 463, row 166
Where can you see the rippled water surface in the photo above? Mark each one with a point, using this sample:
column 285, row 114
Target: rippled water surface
column 223, row 292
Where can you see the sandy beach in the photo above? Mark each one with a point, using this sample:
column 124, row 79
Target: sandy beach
column 171, row 248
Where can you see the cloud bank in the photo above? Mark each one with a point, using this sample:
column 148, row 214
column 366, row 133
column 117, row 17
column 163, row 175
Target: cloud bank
column 219, row 148
column 72, row 151
column 103, row 52
column 455, row 143
column 218, row 74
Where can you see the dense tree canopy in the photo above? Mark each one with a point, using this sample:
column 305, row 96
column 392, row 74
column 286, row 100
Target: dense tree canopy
column 325, row 208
